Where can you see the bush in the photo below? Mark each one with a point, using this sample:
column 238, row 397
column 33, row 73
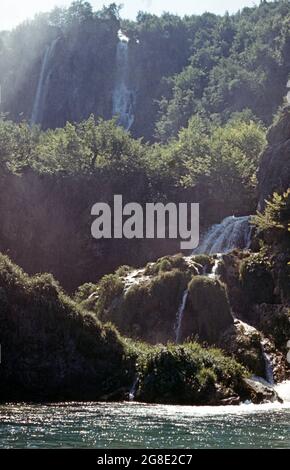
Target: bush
column 188, row 375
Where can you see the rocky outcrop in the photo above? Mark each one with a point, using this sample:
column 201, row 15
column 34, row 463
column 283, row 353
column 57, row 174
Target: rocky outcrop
column 261, row 392
column 244, row 343
column 274, row 171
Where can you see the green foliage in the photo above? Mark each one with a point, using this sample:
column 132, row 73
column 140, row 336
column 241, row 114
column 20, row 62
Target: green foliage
column 54, row 349
column 87, row 296
column 219, row 160
column 188, row 375
column 237, row 62
column 276, row 215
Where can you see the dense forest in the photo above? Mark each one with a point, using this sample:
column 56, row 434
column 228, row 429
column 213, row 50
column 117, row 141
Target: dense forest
column 177, row 67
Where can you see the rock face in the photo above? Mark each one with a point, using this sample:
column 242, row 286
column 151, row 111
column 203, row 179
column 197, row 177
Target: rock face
column 274, row 171
column 244, row 342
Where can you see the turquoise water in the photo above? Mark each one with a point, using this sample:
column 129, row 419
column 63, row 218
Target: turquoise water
column 133, row 426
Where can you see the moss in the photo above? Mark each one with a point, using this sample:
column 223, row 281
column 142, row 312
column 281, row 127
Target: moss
column 205, row 261
column 148, row 310
column 208, row 313
column 123, row 271
column 256, row 279
column 169, row 263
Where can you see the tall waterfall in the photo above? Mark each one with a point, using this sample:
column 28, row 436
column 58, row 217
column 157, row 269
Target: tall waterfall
column 39, row 100
column 232, row 232
column 123, row 97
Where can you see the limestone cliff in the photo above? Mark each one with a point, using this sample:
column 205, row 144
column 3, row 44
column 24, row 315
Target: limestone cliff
column 274, row 171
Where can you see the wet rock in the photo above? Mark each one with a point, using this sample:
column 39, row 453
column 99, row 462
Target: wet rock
column 260, row 392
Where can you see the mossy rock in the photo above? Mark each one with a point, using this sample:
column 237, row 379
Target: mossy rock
column 205, row 261
column 170, row 263
column 208, row 312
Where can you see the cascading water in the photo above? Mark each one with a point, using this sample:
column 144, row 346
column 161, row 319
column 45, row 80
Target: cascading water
column 123, row 97
column 133, row 389
column 232, row 232
column 269, row 372
column 180, row 316
column 39, row 100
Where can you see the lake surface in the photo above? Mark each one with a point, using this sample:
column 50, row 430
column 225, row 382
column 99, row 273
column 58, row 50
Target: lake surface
column 133, row 426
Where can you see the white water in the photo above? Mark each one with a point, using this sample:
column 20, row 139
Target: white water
column 283, row 391
column 39, row 100
column 217, row 263
column 180, row 316
column 232, row 232
column 269, row 371
column 123, row 97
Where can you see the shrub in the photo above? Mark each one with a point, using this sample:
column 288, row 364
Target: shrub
column 188, row 375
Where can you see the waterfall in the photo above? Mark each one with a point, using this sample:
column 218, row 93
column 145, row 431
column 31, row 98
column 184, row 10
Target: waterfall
column 123, row 97
column 232, row 232
column 269, row 372
column 39, row 100
column 132, row 392
column 217, row 263
column 180, row 316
